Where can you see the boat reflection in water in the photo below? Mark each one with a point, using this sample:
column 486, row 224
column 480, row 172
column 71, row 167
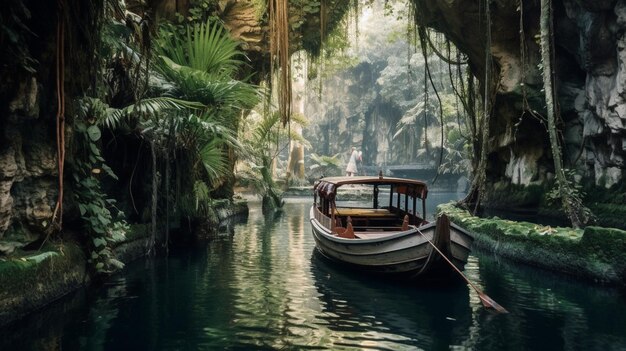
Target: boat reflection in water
column 363, row 309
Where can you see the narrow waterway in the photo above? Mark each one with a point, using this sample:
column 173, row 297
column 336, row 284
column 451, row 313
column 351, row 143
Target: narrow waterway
column 259, row 285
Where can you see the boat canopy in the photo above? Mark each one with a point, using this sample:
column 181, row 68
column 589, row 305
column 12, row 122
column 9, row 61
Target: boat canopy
column 327, row 187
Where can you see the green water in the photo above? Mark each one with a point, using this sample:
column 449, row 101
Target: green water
column 259, row 286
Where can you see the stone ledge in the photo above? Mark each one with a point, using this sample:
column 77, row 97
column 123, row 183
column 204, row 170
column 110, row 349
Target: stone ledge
column 30, row 282
column 594, row 254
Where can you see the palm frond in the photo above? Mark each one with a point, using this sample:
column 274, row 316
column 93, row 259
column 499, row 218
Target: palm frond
column 206, row 48
column 218, row 90
column 300, row 119
column 266, row 128
column 215, row 160
column 201, row 193
column 324, row 160
column 148, row 107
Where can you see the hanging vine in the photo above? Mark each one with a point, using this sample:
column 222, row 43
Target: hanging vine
column 477, row 190
column 279, row 52
column 57, row 216
column 423, row 41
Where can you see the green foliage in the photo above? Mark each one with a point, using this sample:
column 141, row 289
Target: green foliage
column 197, row 203
column 199, row 12
column 325, row 165
column 14, row 37
column 215, row 91
column 207, row 48
column 103, row 227
column 573, row 192
column 262, row 138
column 146, row 108
column 201, row 67
column 196, row 113
column 213, row 157
column 195, row 104
column 593, row 253
column 305, row 17
column 121, row 32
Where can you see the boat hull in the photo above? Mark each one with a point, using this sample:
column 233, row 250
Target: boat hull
column 406, row 254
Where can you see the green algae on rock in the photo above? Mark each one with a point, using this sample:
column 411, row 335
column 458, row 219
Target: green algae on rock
column 594, row 253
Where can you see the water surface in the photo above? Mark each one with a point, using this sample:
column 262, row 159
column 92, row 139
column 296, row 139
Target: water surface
column 259, row 286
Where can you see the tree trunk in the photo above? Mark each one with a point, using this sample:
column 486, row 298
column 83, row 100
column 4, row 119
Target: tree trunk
column 295, row 165
column 546, row 57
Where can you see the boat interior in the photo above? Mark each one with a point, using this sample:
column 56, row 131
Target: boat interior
column 392, row 208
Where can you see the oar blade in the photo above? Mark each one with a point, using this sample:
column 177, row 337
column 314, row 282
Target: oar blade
column 488, row 302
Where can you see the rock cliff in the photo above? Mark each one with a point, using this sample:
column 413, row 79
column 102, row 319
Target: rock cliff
column 28, row 166
column 591, row 75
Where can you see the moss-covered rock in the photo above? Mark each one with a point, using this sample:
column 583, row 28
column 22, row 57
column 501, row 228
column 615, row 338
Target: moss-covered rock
column 134, row 246
column 597, row 254
column 35, row 279
column 219, row 212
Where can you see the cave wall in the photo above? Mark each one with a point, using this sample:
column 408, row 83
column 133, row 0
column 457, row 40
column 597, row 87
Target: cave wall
column 591, row 75
column 28, row 166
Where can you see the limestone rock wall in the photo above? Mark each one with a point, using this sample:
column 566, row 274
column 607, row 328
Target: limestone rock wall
column 591, row 75
column 28, row 165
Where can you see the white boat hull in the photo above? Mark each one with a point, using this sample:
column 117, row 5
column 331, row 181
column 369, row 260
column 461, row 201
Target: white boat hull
column 404, row 253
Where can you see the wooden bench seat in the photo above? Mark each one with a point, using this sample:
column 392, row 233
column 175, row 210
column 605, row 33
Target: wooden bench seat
column 364, row 212
column 363, row 235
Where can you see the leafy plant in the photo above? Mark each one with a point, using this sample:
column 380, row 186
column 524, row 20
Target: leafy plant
column 323, row 165
column 101, row 219
column 207, row 48
column 14, row 36
column 574, row 193
column 264, row 139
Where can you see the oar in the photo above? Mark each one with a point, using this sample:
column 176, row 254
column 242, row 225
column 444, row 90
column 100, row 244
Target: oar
column 487, row 301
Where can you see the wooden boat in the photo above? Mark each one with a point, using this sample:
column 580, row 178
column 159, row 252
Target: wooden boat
column 390, row 235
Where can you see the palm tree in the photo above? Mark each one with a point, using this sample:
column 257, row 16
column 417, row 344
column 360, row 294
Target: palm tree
column 194, row 110
column 264, row 137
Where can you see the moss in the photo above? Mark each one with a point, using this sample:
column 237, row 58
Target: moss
column 607, row 244
column 310, row 28
column 32, row 280
column 609, row 214
column 138, row 231
column 595, row 253
column 21, row 272
column 512, row 195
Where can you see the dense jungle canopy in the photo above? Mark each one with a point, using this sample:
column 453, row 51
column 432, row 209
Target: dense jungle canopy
column 117, row 113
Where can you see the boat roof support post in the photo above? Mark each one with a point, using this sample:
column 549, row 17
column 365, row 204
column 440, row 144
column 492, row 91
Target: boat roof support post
column 406, row 202
column 375, row 204
column 398, row 200
column 333, row 207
